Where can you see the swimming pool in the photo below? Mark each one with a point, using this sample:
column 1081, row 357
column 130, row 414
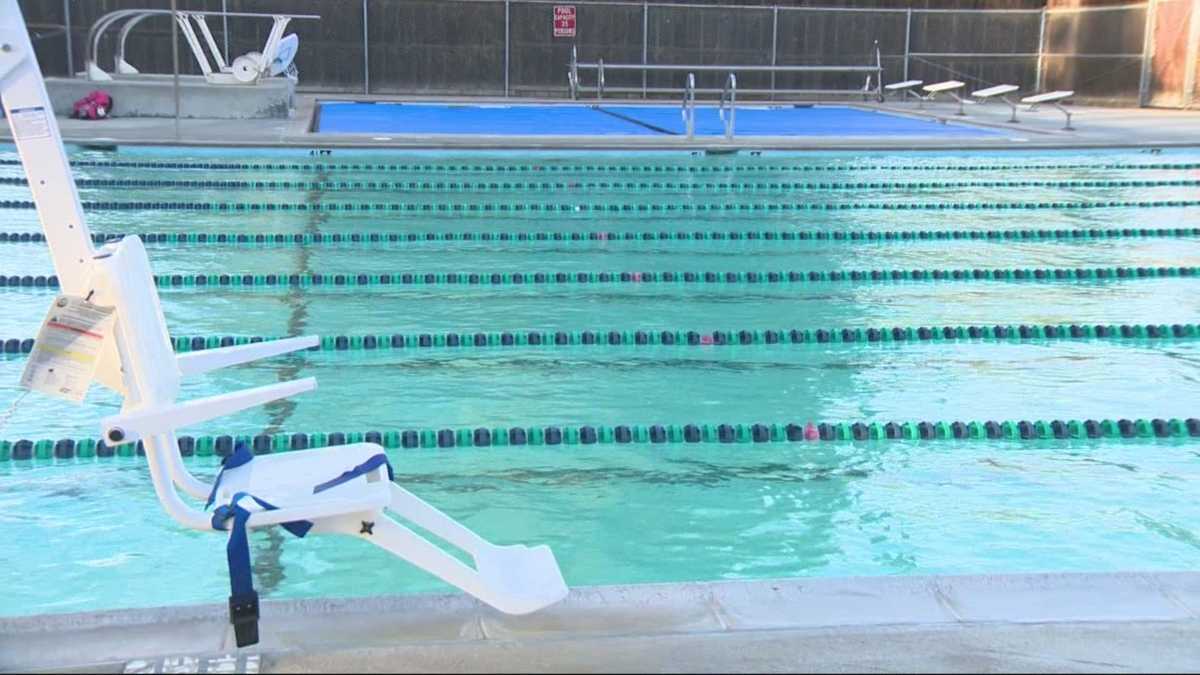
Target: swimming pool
column 717, row 293
column 363, row 117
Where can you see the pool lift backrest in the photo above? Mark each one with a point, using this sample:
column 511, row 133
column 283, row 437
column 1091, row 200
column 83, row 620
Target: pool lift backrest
column 341, row 490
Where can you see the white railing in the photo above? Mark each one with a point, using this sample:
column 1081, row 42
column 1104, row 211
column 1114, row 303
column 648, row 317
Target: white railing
column 729, row 98
column 689, row 105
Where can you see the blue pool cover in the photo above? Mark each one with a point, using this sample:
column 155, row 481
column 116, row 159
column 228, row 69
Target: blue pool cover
column 628, row 120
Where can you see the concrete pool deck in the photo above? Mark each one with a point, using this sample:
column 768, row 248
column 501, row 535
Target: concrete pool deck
column 1095, row 128
column 1010, row 623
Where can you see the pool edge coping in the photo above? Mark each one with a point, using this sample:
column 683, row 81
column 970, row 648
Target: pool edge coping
column 618, row 611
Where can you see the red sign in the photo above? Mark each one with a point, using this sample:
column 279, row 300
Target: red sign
column 564, row 21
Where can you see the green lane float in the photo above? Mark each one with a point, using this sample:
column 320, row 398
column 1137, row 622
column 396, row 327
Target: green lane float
column 686, row 278
column 742, row 167
column 624, row 434
column 404, row 238
column 592, row 185
column 691, row 338
column 605, row 208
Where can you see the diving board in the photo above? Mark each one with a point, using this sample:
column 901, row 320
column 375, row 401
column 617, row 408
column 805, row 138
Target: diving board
column 345, row 490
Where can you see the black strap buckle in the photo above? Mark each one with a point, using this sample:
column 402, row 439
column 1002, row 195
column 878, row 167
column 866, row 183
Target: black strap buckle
column 243, row 615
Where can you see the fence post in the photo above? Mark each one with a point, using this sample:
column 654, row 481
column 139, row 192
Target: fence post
column 774, row 46
column 645, row 42
column 225, row 29
column 1193, row 55
column 366, row 53
column 1037, row 75
column 907, row 40
column 1147, row 52
column 70, row 46
column 506, row 46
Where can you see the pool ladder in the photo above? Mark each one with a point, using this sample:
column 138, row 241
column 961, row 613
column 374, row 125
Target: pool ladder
column 727, row 110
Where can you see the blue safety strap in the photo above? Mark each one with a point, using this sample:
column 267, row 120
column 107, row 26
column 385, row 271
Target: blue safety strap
column 241, row 455
column 372, row 463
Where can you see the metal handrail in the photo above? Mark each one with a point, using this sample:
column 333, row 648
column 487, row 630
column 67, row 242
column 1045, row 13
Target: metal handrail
column 689, row 105
column 573, row 74
column 723, row 68
column 873, row 85
column 729, row 95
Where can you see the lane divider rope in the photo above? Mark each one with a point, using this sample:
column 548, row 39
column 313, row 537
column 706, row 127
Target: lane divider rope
column 606, row 208
column 692, row 338
column 613, row 168
column 301, row 239
column 477, row 186
column 589, row 278
column 576, row 435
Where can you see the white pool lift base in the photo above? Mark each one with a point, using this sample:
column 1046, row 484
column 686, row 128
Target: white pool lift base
column 344, row 490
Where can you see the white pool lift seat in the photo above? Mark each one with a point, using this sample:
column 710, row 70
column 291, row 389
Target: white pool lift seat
column 338, row 490
column 949, row 87
column 905, row 88
column 1000, row 91
column 1053, row 98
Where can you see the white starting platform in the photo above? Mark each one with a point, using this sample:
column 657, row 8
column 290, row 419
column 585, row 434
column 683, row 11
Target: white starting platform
column 1000, row 91
column 905, row 88
column 1054, row 98
column 949, row 87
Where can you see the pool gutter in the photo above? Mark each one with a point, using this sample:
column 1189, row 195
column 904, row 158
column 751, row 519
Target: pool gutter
column 1094, row 622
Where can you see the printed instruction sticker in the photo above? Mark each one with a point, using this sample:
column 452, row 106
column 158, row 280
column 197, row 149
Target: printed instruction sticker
column 30, row 123
column 67, row 350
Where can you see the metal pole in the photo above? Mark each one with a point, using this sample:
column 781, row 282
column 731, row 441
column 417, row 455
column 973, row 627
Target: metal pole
column 907, row 39
column 774, row 45
column 645, row 42
column 175, row 62
column 1147, row 53
column 1037, row 77
column 366, row 52
column 70, row 45
column 506, row 46
column 225, row 27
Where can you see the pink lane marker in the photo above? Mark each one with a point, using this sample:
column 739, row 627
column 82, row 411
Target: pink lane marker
column 602, row 236
column 706, row 339
column 811, row 433
column 637, row 276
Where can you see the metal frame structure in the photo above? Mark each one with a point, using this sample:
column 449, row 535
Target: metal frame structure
column 342, row 490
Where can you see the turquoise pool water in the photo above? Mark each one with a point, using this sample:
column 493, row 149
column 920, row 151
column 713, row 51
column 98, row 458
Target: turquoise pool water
column 84, row 534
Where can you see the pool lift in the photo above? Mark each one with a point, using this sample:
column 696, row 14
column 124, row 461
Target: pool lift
column 339, row 490
column 275, row 59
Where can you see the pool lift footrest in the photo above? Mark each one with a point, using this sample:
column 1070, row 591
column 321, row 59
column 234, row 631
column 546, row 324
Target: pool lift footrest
column 328, row 488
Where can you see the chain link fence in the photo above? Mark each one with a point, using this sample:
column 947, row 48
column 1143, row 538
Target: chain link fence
column 1110, row 55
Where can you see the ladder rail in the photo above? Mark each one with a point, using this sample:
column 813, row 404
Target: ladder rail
column 729, row 98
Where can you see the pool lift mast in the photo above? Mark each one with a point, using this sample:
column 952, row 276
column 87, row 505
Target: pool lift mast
column 340, row 490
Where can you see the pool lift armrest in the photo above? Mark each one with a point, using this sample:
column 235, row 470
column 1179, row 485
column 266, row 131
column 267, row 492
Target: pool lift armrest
column 342, row 490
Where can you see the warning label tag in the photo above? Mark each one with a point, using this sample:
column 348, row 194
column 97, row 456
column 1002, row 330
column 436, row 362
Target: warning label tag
column 30, row 123
column 67, row 350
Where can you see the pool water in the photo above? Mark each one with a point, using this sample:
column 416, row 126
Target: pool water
column 86, row 534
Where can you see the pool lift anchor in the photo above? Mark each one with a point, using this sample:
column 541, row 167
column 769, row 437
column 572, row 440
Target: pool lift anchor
column 341, row 490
